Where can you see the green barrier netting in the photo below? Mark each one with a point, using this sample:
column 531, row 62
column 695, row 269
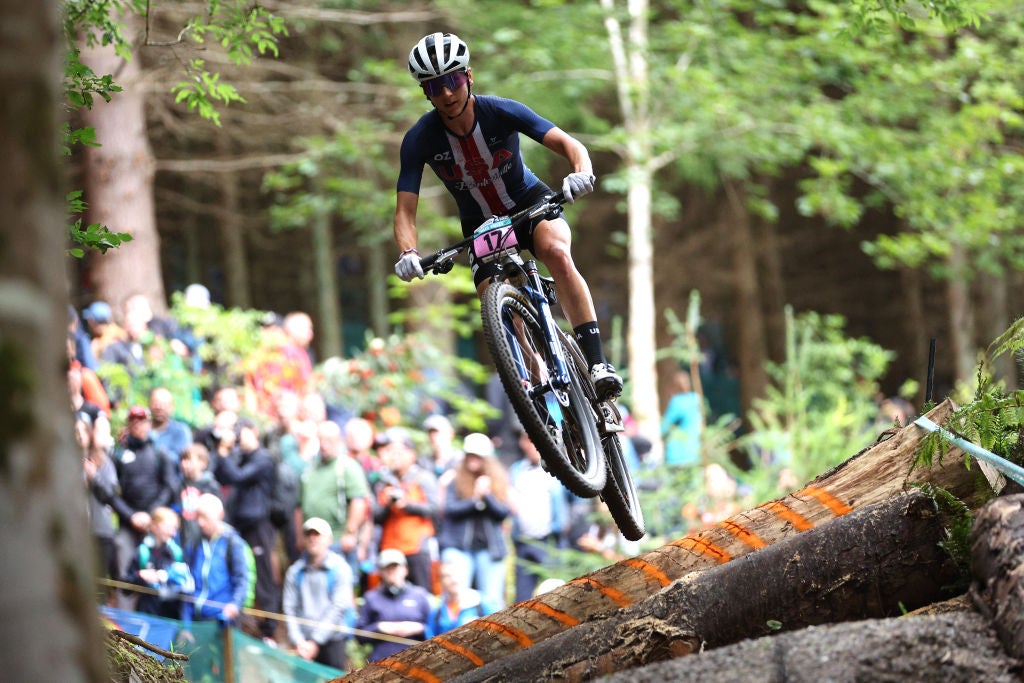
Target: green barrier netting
column 256, row 662
column 252, row 661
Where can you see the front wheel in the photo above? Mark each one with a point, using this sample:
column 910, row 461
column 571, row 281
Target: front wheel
column 619, row 492
column 560, row 422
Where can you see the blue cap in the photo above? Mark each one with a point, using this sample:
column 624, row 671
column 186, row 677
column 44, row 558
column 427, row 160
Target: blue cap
column 98, row 312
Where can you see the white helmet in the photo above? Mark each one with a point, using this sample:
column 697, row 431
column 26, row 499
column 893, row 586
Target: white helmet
column 438, row 54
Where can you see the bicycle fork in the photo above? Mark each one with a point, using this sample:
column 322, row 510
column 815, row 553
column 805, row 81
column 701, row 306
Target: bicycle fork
column 553, row 388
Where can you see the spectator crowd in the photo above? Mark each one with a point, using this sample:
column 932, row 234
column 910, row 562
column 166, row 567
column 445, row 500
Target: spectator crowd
column 287, row 504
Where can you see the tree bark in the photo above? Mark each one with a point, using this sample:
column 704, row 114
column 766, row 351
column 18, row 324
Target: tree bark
column 633, row 90
column 324, row 264
column 998, row 563
column 961, row 316
column 863, row 565
column 119, row 183
column 870, row 477
column 232, row 237
column 953, row 648
column 752, row 351
column 49, row 630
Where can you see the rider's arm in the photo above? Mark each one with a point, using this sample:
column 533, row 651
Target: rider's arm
column 560, row 142
column 405, row 220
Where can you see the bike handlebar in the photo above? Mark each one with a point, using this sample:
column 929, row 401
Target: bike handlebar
column 441, row 261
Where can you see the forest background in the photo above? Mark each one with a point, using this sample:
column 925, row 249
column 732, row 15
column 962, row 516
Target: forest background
column 737, row 133
column 759, row 154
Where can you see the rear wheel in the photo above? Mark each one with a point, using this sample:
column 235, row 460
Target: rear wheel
column 619, row 492
column 561, row 423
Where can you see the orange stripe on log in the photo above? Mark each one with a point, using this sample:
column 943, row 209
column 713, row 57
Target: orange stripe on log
column 838, row 507
column 614, row 594
column 649, row 569
column 459, row 650
column 513, row 633
column 547, row 610
column 703, row 547
column 783, row 511
column 410, row 671
column 743, row 534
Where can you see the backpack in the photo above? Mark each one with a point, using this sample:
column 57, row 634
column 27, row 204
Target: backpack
column 250, row 565
column 284, row 496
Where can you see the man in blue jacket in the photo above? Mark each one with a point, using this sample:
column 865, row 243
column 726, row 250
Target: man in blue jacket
column 219, row 566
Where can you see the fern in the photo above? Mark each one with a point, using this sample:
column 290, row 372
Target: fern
column 994, row 419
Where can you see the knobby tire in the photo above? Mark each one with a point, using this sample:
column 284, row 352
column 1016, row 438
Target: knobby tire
column 619, row 492
column 577, row 459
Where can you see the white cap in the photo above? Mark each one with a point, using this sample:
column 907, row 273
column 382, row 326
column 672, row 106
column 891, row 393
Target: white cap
column 478, row 444
column 319, row 525
column 390, row 556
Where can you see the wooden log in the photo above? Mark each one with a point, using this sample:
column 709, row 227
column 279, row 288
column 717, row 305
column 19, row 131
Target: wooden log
column 997, row 560
column 958, row 647
column 870, row 563
column 869, row 477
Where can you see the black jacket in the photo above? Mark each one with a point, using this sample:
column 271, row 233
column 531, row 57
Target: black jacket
column 147, row 476
column 252, row 476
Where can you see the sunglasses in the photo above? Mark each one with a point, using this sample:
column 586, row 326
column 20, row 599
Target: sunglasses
column 452, row 81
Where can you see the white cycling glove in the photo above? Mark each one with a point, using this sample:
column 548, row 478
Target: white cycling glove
column 408, row 267
column 576, row 185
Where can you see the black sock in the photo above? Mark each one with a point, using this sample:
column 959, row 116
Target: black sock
column 589, row 338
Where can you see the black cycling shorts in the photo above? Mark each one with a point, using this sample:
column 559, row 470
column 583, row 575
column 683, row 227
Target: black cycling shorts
column 524, row 232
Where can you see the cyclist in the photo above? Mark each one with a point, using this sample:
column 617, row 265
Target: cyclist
column 471, row 142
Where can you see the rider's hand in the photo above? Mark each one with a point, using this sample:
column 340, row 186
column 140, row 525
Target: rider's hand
column 576, row 185
column 409, row 267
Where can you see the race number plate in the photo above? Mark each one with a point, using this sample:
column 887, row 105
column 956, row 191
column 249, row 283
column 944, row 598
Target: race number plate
column 494, row 238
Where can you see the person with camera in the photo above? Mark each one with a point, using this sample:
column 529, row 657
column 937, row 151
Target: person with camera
column 406, row 505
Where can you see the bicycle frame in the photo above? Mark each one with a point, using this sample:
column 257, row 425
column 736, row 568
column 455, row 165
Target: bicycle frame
column 443, row 261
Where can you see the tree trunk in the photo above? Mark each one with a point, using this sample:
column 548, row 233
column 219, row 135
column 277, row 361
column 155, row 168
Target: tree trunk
column 633, row 90
column 377, row 270
column 642, row 332
column 119, row 183
column 961, row 317
column 328, row 308
column 997, row 559
column 49, row 630
column 952, row 648
column 915, row 327
column 863, row 565
column 995, row 320
column 774, row 290
column 232, row 236
column 868, row 478
column 752, row 351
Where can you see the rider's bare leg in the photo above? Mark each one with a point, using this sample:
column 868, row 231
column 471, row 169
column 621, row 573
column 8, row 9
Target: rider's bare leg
column 552, row 242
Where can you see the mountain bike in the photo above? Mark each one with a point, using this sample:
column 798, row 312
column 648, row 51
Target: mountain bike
column 543, row 370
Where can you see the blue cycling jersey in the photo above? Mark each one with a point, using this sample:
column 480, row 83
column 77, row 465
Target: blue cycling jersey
column 484, row 171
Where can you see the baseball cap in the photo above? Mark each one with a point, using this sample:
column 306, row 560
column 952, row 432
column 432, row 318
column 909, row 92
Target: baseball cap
column 319, row 525
column 138, row 413
column 438, row 422
column 478, row 444
column 98, row 312
column 390, row 556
